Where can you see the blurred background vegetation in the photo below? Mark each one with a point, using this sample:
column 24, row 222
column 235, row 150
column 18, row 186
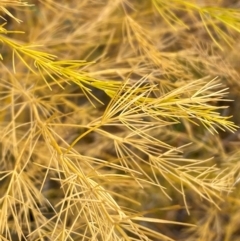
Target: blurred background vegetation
column 119, row 120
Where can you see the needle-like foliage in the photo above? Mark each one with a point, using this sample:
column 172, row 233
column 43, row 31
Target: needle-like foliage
column 115, row 121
